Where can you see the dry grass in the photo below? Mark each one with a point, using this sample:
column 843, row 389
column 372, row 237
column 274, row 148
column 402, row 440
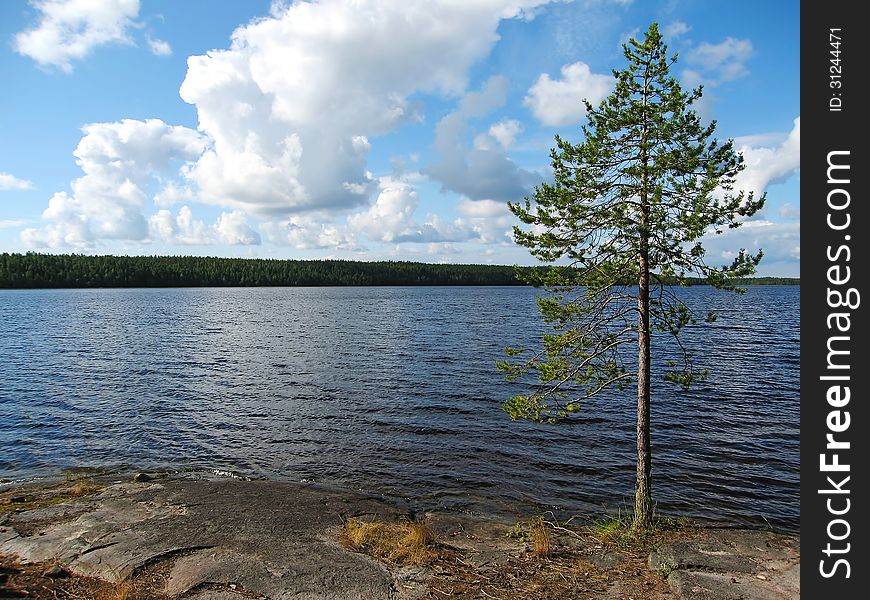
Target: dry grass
column 121, row 590
column 542, row 542
column 404, row 543
column 84, row 487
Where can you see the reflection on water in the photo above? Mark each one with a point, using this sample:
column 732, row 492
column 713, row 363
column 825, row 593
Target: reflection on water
column 391, row 390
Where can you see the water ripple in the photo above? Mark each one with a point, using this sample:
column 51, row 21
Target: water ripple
column 390, row 390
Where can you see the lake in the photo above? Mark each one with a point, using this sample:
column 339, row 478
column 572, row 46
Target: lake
column 394, row 391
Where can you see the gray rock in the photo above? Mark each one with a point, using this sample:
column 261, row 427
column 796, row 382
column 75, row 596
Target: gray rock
column 269, row 538
column 607, row 560
column 732, row 565
column 55, row 572
column 693, row 585
column 700, row 556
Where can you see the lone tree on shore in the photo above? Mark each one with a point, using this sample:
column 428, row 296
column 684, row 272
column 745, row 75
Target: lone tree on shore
column 624, row 215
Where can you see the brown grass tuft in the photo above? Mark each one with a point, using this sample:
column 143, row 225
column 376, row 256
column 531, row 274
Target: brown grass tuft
column 405, row 543
column 542, row 543
column 121, row 590
column 84, row 487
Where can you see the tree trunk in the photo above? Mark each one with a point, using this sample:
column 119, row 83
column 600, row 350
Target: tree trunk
column 643, row 504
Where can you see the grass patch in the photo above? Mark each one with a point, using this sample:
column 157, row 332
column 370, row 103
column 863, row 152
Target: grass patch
column 24, row 499
column 84, row 487
column 24, row 503
column 536, row 532
column 403, row 543
column 616, row 532
column 665, row 569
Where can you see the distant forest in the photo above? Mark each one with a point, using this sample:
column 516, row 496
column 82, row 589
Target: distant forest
column 34, row 270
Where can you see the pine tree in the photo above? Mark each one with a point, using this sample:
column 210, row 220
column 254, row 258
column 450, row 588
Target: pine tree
column 625, row 214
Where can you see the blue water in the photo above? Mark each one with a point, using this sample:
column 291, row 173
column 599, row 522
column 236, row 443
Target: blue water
column 392, row 391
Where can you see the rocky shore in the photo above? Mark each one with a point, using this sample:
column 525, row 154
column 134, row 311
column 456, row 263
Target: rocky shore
column 226, row 539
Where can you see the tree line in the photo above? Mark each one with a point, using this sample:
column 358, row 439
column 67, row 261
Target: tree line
column 34, row 270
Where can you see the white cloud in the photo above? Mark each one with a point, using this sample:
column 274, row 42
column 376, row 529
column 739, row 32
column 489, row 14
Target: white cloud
column 159, row 47
column 484, row 171
column 779, row 241
column 120, row 161
column 288, row 103
column 174, row 193
column 506, row 132
column 477, row 209
column 231, row 228
column 69, row 29
column 286, row 115
column 392, row 214
column 717, row 63
column 559, row 102
column 768, row 165
column 676, row 29
column 308, row 233
column 182, row 229
column 391, row 218
column 491, row 220
column 789, row 211
column 481, row 172
column 10, row 182
column 6, row 223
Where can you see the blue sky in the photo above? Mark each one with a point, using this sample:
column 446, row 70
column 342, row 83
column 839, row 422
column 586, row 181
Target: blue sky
column 366, row 129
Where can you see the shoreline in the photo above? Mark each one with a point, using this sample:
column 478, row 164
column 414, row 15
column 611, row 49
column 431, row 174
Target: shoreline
column 230, row 538
column 484, row 507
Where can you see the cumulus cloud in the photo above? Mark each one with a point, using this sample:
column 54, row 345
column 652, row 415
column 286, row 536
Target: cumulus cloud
column 159, row 47
column 285, row 118
column 119, row 160
column 231, row 228
column 506, row 132
column 779, row 241
column 292, row 103
column 769, row 165
column 478, row 173
column 714, row 64
column 391, row 218
column 484, row 171
column 180, row 229
column 10, row 182
column 69, row 29
column 559, row 102
column 492, row 221
column 309, row 233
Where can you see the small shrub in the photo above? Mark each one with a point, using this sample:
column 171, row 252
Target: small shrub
column 665, row 569
column 518, row 532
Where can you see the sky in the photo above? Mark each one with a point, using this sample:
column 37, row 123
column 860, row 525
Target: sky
column 355, row 129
